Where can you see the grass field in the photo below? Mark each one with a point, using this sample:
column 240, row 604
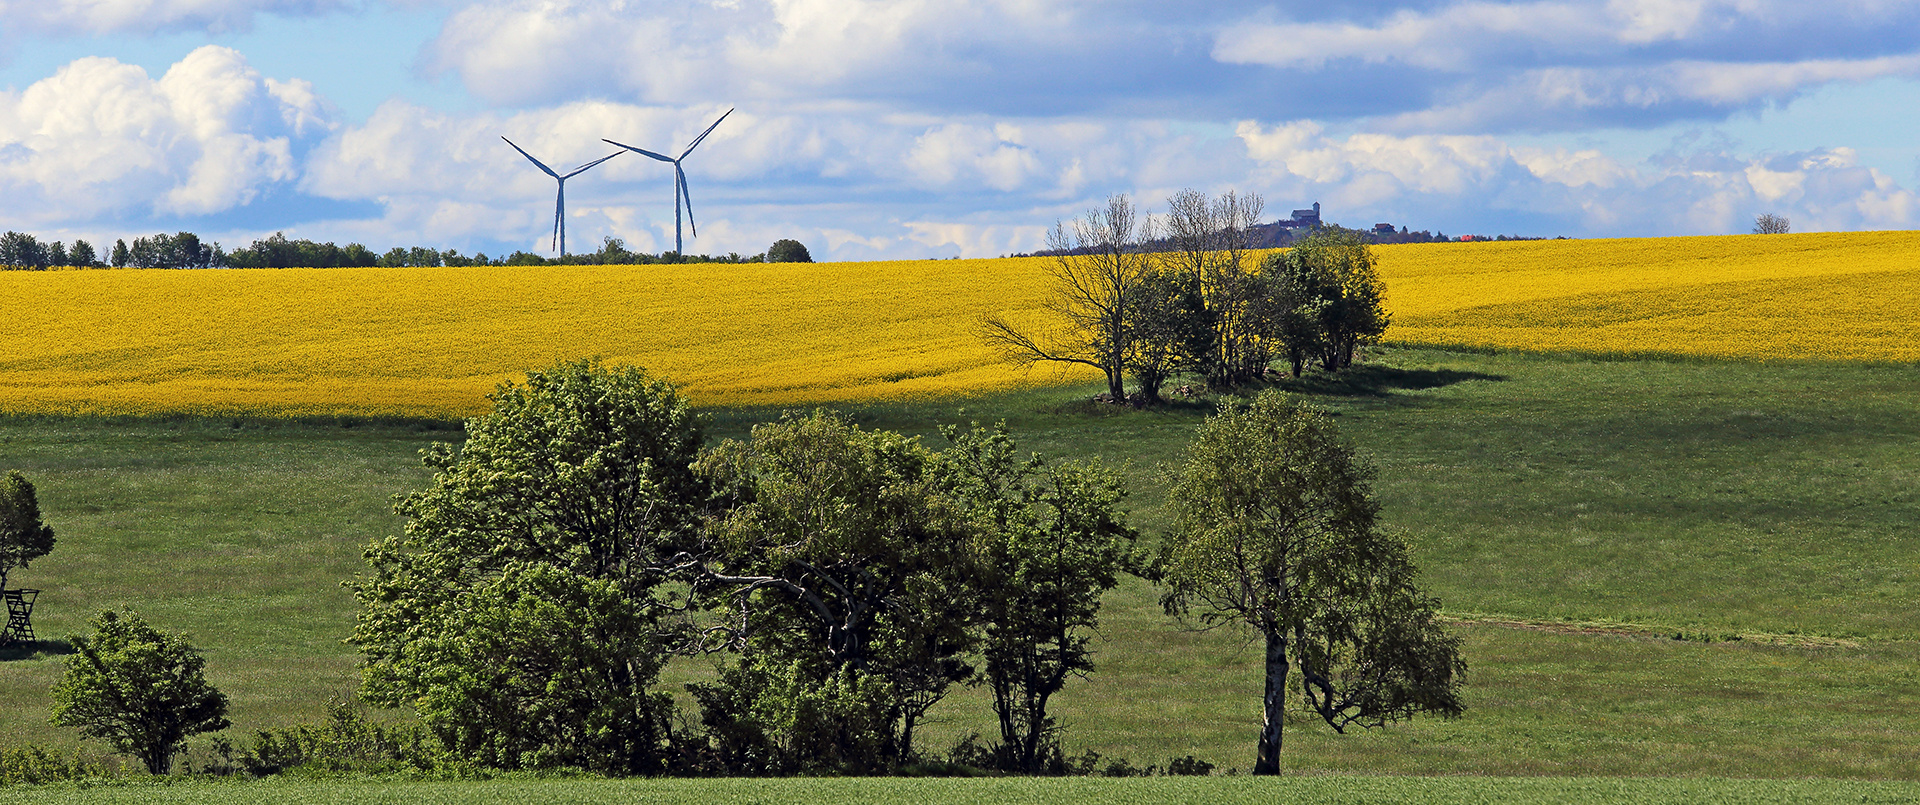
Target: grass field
column 433, row 342
column 1092, row 791
column 1576, row 515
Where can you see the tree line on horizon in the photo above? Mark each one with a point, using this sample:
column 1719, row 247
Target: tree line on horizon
column 185, row 250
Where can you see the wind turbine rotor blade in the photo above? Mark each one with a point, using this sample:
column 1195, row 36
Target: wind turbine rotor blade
column 703, row 135
column 689, row 199
column 638, row 150
column 541, row 165
column 583, row 168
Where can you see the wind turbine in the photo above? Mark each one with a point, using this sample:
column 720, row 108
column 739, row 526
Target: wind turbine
column 560, row 201
column 679, row 180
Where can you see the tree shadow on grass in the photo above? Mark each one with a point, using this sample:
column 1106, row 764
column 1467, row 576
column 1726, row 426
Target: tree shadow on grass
column 1375, row 380
column 33, row 649
column 1361, row 381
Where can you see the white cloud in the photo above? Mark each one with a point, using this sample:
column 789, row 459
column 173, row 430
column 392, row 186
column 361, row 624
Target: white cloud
column 1704, row 190
column 1571, row 98
column 1451, row 39
column 980, row 185
column 1018, row 57
column 994, row 156
column 100, row 136
column 1565, row 64
column 520, row 51
column 1466, row 35
column 977, row 240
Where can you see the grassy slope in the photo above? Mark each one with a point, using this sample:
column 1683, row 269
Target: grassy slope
column 1700, row 498
column 1093, row 791
column 238, row 533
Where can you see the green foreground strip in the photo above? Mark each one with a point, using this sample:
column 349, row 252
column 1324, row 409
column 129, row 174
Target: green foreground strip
column 1054, row 791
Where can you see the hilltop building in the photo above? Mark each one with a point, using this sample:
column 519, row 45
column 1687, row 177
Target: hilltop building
column 1302, row 219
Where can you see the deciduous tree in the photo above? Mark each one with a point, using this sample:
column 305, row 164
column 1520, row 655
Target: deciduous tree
column 1098, row 270
column 849, row 583
column 1211, row 240
column 1275, row 530
column 140, row 689
column 1053, row 540
column 787, row 250
column 523, row 612
column 23, row 537
column 1331, row 284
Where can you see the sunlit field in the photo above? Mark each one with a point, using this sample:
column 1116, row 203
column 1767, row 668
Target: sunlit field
column 433, row 341
column 1829, row 296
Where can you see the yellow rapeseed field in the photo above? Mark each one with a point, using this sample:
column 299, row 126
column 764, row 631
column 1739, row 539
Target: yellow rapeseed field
column 434, row 341
column 1834, row 296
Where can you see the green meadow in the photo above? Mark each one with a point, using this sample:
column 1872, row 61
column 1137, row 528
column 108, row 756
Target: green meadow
column 1662, row 569
column 1338, row 789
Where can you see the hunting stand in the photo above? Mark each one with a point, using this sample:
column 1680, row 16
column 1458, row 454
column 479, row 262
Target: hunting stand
column 19, row 616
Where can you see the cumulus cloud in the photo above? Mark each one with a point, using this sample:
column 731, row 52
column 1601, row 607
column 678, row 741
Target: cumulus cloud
column 995, row 155
column 100, row 136
column 1466, row 66
column 975, row 184
column 1567, row 64
column 1693, row 188
column 993, row 56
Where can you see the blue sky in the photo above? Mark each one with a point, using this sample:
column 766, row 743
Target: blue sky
column 933, row 129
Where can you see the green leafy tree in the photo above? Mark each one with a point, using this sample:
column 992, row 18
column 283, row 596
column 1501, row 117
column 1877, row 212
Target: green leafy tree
column 23, row 537
column 1332, row 286
column 1166, row 319
column 848, row 579
column 1276, row 531
column 21, row 250
column 522, row 612
column 82, row 255
column 140, row 689
column 786, row 250
column 1053, row 541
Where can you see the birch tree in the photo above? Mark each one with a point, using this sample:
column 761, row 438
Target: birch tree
column 1276, row 530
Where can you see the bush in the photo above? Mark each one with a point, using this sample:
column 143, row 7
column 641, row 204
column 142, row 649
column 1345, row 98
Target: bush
column 34, row 765
column 139, row 688
column 347, row 742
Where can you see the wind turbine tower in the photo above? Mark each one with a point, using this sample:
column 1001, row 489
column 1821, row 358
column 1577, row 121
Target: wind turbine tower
column 560, row 200
column 679, row 180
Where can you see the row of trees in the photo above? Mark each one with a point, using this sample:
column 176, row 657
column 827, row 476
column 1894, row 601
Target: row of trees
column 584, row 534
column 187, row 250
column 848, row 579
column 182, row 250
column 1199, row 306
